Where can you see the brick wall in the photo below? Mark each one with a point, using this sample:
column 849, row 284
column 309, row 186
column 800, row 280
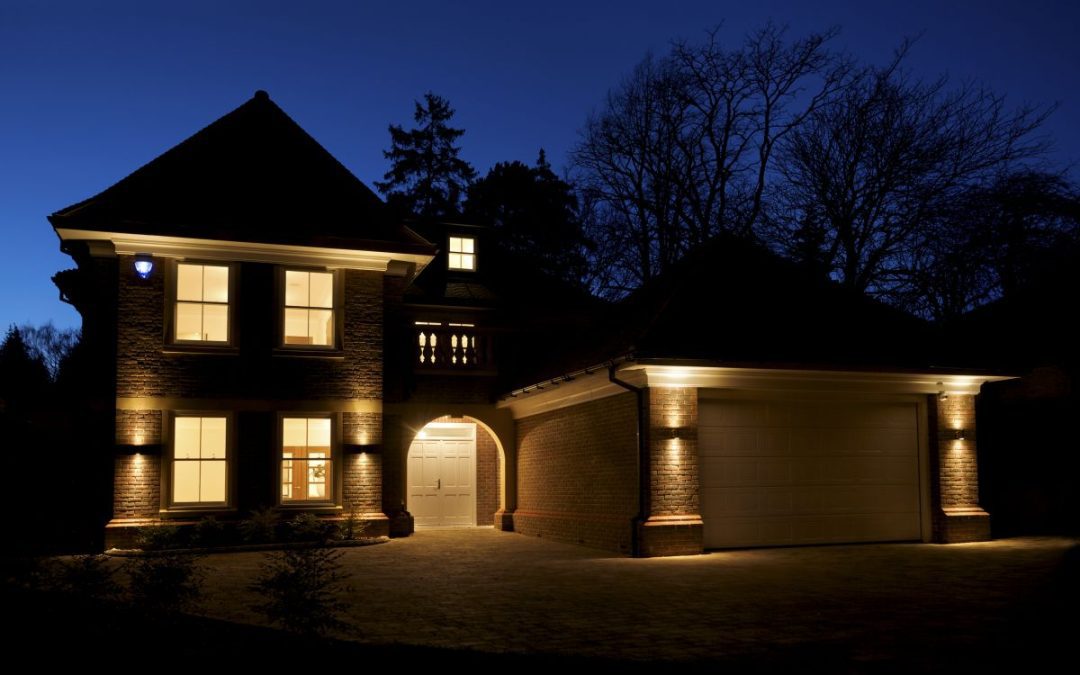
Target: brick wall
column 138, row 427
column 136, row 491
column 362, row 428
column 954, row 465
column 578, row 473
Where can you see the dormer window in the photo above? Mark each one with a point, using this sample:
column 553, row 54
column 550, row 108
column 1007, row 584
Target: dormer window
column 462, row 254
column 201, row 303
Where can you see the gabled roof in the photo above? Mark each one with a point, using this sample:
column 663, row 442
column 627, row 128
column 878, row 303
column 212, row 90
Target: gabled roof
column 252, row 176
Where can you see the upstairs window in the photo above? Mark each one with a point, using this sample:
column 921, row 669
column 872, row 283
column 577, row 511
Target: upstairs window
column 309, row 308
column 462, row 254
column 202, row 303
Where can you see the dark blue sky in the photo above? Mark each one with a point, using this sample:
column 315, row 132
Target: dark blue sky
column 89, row 91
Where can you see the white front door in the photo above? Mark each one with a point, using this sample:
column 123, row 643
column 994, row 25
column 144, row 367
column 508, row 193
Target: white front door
column 442, row 475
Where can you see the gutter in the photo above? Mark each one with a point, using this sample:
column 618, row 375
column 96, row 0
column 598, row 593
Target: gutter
column 643, row 457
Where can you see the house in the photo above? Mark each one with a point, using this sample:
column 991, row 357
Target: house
column 269, row 336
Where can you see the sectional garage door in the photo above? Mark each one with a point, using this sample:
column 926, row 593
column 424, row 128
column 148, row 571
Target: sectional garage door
column 786, row 472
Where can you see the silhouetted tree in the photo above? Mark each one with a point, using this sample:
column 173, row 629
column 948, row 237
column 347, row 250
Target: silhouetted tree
column 683, row 147
column 534, row 215
column 50, row 343
column 24, row 378
column 426, row 176
column 873, row 178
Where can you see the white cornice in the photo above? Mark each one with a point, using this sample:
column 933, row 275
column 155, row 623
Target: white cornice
column 590, row 387
column 212, row 249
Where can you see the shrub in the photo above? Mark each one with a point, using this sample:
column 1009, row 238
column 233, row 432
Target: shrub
column 158, row 537
column 260, row 527
column 309, row 527
column 167, row 582
column 351, row 527
column 208, row 532
column 301, row 590
column 86, row 575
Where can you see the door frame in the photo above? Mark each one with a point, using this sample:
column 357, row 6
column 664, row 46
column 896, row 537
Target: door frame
column 428, row 435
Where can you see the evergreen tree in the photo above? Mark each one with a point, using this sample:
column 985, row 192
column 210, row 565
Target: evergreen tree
column 534, row 215
column 426, row 176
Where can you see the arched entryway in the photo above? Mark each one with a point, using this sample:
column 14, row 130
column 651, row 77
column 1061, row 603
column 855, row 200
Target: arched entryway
column 453, row 474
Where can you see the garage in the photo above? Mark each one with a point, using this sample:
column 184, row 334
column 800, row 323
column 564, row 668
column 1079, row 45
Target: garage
column 810, row 470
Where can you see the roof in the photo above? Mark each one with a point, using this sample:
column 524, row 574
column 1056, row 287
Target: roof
column 251, row 176
column 732, row 302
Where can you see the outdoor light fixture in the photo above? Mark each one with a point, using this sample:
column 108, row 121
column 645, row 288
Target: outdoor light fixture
column 960, row 434
column 144, row 265
column 942, row 394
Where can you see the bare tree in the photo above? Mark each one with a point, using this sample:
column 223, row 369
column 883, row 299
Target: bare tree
column 872, row 180
column 50, row 344
column 683, row 147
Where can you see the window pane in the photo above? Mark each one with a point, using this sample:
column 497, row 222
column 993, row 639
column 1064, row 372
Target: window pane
column 296, row 327
column 294, row 433
column 318, row 435
column 188, row 321
column 186, row 440
column 213, row 438
column 467, row 262
column 186, row 481
column 321, row 326
column 216, row 323
column 455, row 244
column 322, row 289
column 467, row 245
column 215, row 283
column 455, row 261
column 189, row 279
column 212, row 483
column 296, row 289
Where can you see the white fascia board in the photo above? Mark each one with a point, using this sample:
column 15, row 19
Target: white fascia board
column 213, row 249
column 582, row 389
column 838, row 381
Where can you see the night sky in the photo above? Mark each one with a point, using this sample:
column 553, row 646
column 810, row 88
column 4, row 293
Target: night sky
column 90, row 91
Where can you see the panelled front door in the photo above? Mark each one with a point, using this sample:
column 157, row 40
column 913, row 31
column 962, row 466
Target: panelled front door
column 442, row 475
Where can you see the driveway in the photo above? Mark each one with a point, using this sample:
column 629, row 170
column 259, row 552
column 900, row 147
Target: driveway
column 866, row 607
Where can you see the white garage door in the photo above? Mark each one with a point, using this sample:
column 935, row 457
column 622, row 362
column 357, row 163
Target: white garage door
column 777, row 472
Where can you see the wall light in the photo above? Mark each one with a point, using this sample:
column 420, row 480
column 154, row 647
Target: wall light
column 960, row 434
column 942, row 394
column 144, row 265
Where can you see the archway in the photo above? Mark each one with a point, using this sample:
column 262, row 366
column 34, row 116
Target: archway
column 454, row 473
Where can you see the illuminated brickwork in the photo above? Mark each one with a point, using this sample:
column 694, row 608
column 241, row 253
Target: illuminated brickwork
column 957, row 514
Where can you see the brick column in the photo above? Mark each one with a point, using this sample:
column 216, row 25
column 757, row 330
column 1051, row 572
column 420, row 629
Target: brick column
column 669, row 474
column 363, row 491
column 136, row 476
column 957, row 514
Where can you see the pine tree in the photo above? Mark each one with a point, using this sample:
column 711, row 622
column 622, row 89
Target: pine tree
column 426, row 177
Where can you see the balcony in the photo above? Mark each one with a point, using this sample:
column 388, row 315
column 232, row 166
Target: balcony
column 453, row 348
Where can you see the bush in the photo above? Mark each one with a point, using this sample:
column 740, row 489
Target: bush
column 86, row 575
column 351, row 527
column 309, row 527
column 301, row 590
column 164, row 583
column 260, row 527
column 158, row 537
column 208, row 532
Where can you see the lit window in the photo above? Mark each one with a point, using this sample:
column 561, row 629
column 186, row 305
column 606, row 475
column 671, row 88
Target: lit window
column 199, row 460
column 306, row 460
column 309, row 308
column 202, row 303
column 462, row 254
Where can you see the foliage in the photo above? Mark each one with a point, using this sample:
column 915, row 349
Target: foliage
column 51, row 344
column 301, row 590
column 309, row 527
column 534, row 215
column 209, row 532
column 88, row 575
column 165, row 582
column 260, row 527
column 24, row 377
column 351, row 527
column 683, row 148
column 426, row 176
column 158, row 537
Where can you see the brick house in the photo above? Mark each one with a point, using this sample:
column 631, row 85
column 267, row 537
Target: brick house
column 270, row 337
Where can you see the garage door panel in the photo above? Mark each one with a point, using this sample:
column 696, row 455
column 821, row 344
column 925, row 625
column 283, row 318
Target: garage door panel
column 808, row 472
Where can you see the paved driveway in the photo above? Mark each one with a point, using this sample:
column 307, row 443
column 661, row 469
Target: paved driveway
column 868, row 607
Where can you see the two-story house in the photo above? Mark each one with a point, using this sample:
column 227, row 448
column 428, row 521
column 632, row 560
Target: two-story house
column 273, row 338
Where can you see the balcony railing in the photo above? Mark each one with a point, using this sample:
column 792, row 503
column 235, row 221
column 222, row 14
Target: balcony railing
column 452, row 348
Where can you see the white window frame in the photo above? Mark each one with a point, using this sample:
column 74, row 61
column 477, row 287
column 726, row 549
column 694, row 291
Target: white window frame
column 335, row 309
column 175, row 302
column 333, row 481
column 169, row 493
column 461, row 249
